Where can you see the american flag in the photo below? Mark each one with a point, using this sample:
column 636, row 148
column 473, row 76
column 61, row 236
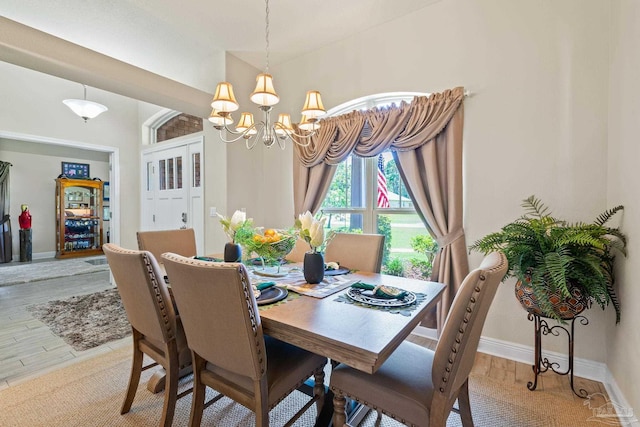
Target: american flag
column 383, row 196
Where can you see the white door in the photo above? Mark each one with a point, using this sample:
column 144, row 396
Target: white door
column 172, row 189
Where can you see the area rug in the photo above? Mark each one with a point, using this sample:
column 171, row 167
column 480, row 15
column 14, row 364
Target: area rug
column 16, row 274
column 85, row 321
column 90, row 393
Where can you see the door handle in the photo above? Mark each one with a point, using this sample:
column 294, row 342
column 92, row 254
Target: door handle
column 184, row 220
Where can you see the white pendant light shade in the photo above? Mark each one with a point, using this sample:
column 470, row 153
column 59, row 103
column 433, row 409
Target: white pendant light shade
column 218, row 120
column 313, row 105
column 309, row 125
column 224, row 101
column 85, row 109
column 245, row 123
column 264, row 94
column 283, row 125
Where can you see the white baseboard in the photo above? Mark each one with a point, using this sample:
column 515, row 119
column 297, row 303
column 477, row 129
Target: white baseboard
column 43, row 255
column 584, row 368
column 626, row 415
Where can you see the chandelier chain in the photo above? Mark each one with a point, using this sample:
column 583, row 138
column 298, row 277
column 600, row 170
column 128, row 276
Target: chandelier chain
column 267, row 33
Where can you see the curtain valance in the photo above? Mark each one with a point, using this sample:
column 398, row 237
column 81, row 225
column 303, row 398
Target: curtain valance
column 369, row 133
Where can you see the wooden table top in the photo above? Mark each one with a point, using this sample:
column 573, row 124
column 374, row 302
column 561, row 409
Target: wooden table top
column 358, row 336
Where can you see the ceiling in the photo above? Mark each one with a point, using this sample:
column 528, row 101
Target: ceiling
column 145, row 32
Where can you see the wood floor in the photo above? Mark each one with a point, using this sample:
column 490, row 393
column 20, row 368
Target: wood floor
column 28, row 348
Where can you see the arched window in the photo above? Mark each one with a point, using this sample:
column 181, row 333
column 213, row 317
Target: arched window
column 367, row 195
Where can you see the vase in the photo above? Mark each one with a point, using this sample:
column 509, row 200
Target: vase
column 313, row 267
column 232, row 252
column 564, row 308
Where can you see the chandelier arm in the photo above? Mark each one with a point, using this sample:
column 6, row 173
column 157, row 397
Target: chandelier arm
column 244, row 134
column 289, row 132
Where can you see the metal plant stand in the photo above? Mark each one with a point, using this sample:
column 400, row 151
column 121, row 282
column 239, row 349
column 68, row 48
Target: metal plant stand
column 541, row 364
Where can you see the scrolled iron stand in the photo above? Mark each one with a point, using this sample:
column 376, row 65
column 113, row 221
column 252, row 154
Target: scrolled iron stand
column 542, row 364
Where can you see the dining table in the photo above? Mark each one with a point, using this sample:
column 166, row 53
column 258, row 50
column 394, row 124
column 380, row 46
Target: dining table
column 344, row 330
column 328, row 319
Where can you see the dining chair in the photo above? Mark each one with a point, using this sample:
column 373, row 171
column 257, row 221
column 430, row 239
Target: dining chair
column 157, row 329
column 418, row 386
column 230, row 352
column 356, row 251
column 297, row 253
column 180, row 241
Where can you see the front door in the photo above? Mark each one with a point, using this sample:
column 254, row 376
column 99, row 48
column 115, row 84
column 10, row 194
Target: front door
column 172, row 188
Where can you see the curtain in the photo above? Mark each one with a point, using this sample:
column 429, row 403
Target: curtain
column 6, row 251
column 425, row 137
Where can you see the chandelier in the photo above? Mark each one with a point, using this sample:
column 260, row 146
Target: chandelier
column 85, row 109
column 265, row 96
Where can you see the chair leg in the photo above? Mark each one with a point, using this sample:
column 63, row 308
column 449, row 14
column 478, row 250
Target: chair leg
column 318, row 389
column 339, row 414
column 464, row 405
column 171, row 387
column 378, row 419
column 136, row 371
column 260, row 390
column 199, row 391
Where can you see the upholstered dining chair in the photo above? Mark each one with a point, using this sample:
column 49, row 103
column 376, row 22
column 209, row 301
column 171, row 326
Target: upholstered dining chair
column 230, row 352
column 356, row 251
column 157, row 330
column 418, row 386
column 181, row 241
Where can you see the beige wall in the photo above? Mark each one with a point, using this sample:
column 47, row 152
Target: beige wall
column 32, row 106
column 538, row 122
column 535, row 124
column 623, row 178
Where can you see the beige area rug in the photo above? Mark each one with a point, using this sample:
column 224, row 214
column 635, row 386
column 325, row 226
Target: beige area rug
column 16, row 274
column 85, row 321
column 90, row 393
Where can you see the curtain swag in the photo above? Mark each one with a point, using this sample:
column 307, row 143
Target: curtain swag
column 369, row 133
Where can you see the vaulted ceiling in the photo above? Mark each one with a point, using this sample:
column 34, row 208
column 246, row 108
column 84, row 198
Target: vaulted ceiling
column 140, row 32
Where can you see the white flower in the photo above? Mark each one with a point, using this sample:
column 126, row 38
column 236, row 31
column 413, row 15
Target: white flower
column 230, row 226
column 306, row 219
column 316, row 233
column 311, row 229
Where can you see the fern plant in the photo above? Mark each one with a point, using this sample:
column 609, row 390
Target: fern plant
column 553, row 255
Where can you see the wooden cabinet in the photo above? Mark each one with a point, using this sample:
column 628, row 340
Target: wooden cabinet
column 78, row 217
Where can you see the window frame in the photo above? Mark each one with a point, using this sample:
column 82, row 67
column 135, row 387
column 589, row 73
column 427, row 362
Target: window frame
column 370, row 211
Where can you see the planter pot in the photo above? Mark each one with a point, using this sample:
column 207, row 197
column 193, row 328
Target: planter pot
column 565, row 308
column 313, row 267
column 232, row 252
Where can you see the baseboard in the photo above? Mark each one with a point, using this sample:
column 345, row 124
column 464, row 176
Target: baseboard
column 584, row 368
column 624, row 410
column 43, row 255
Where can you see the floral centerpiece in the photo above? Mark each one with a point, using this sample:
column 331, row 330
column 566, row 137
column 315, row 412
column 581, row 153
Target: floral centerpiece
column 311, row 230
column 232, row 250
column 233, row 224
column 270, row 245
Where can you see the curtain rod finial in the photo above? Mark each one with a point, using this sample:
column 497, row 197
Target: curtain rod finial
column 467, row 93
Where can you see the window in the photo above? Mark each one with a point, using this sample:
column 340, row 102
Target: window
column 368, row 196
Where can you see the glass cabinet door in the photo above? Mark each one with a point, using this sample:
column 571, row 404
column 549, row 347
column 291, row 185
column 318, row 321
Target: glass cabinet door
column 79, row 216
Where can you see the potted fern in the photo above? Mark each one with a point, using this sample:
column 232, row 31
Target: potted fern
column 561, row 267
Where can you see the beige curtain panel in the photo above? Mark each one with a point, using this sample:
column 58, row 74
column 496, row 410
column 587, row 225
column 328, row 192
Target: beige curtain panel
column 425, row 137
